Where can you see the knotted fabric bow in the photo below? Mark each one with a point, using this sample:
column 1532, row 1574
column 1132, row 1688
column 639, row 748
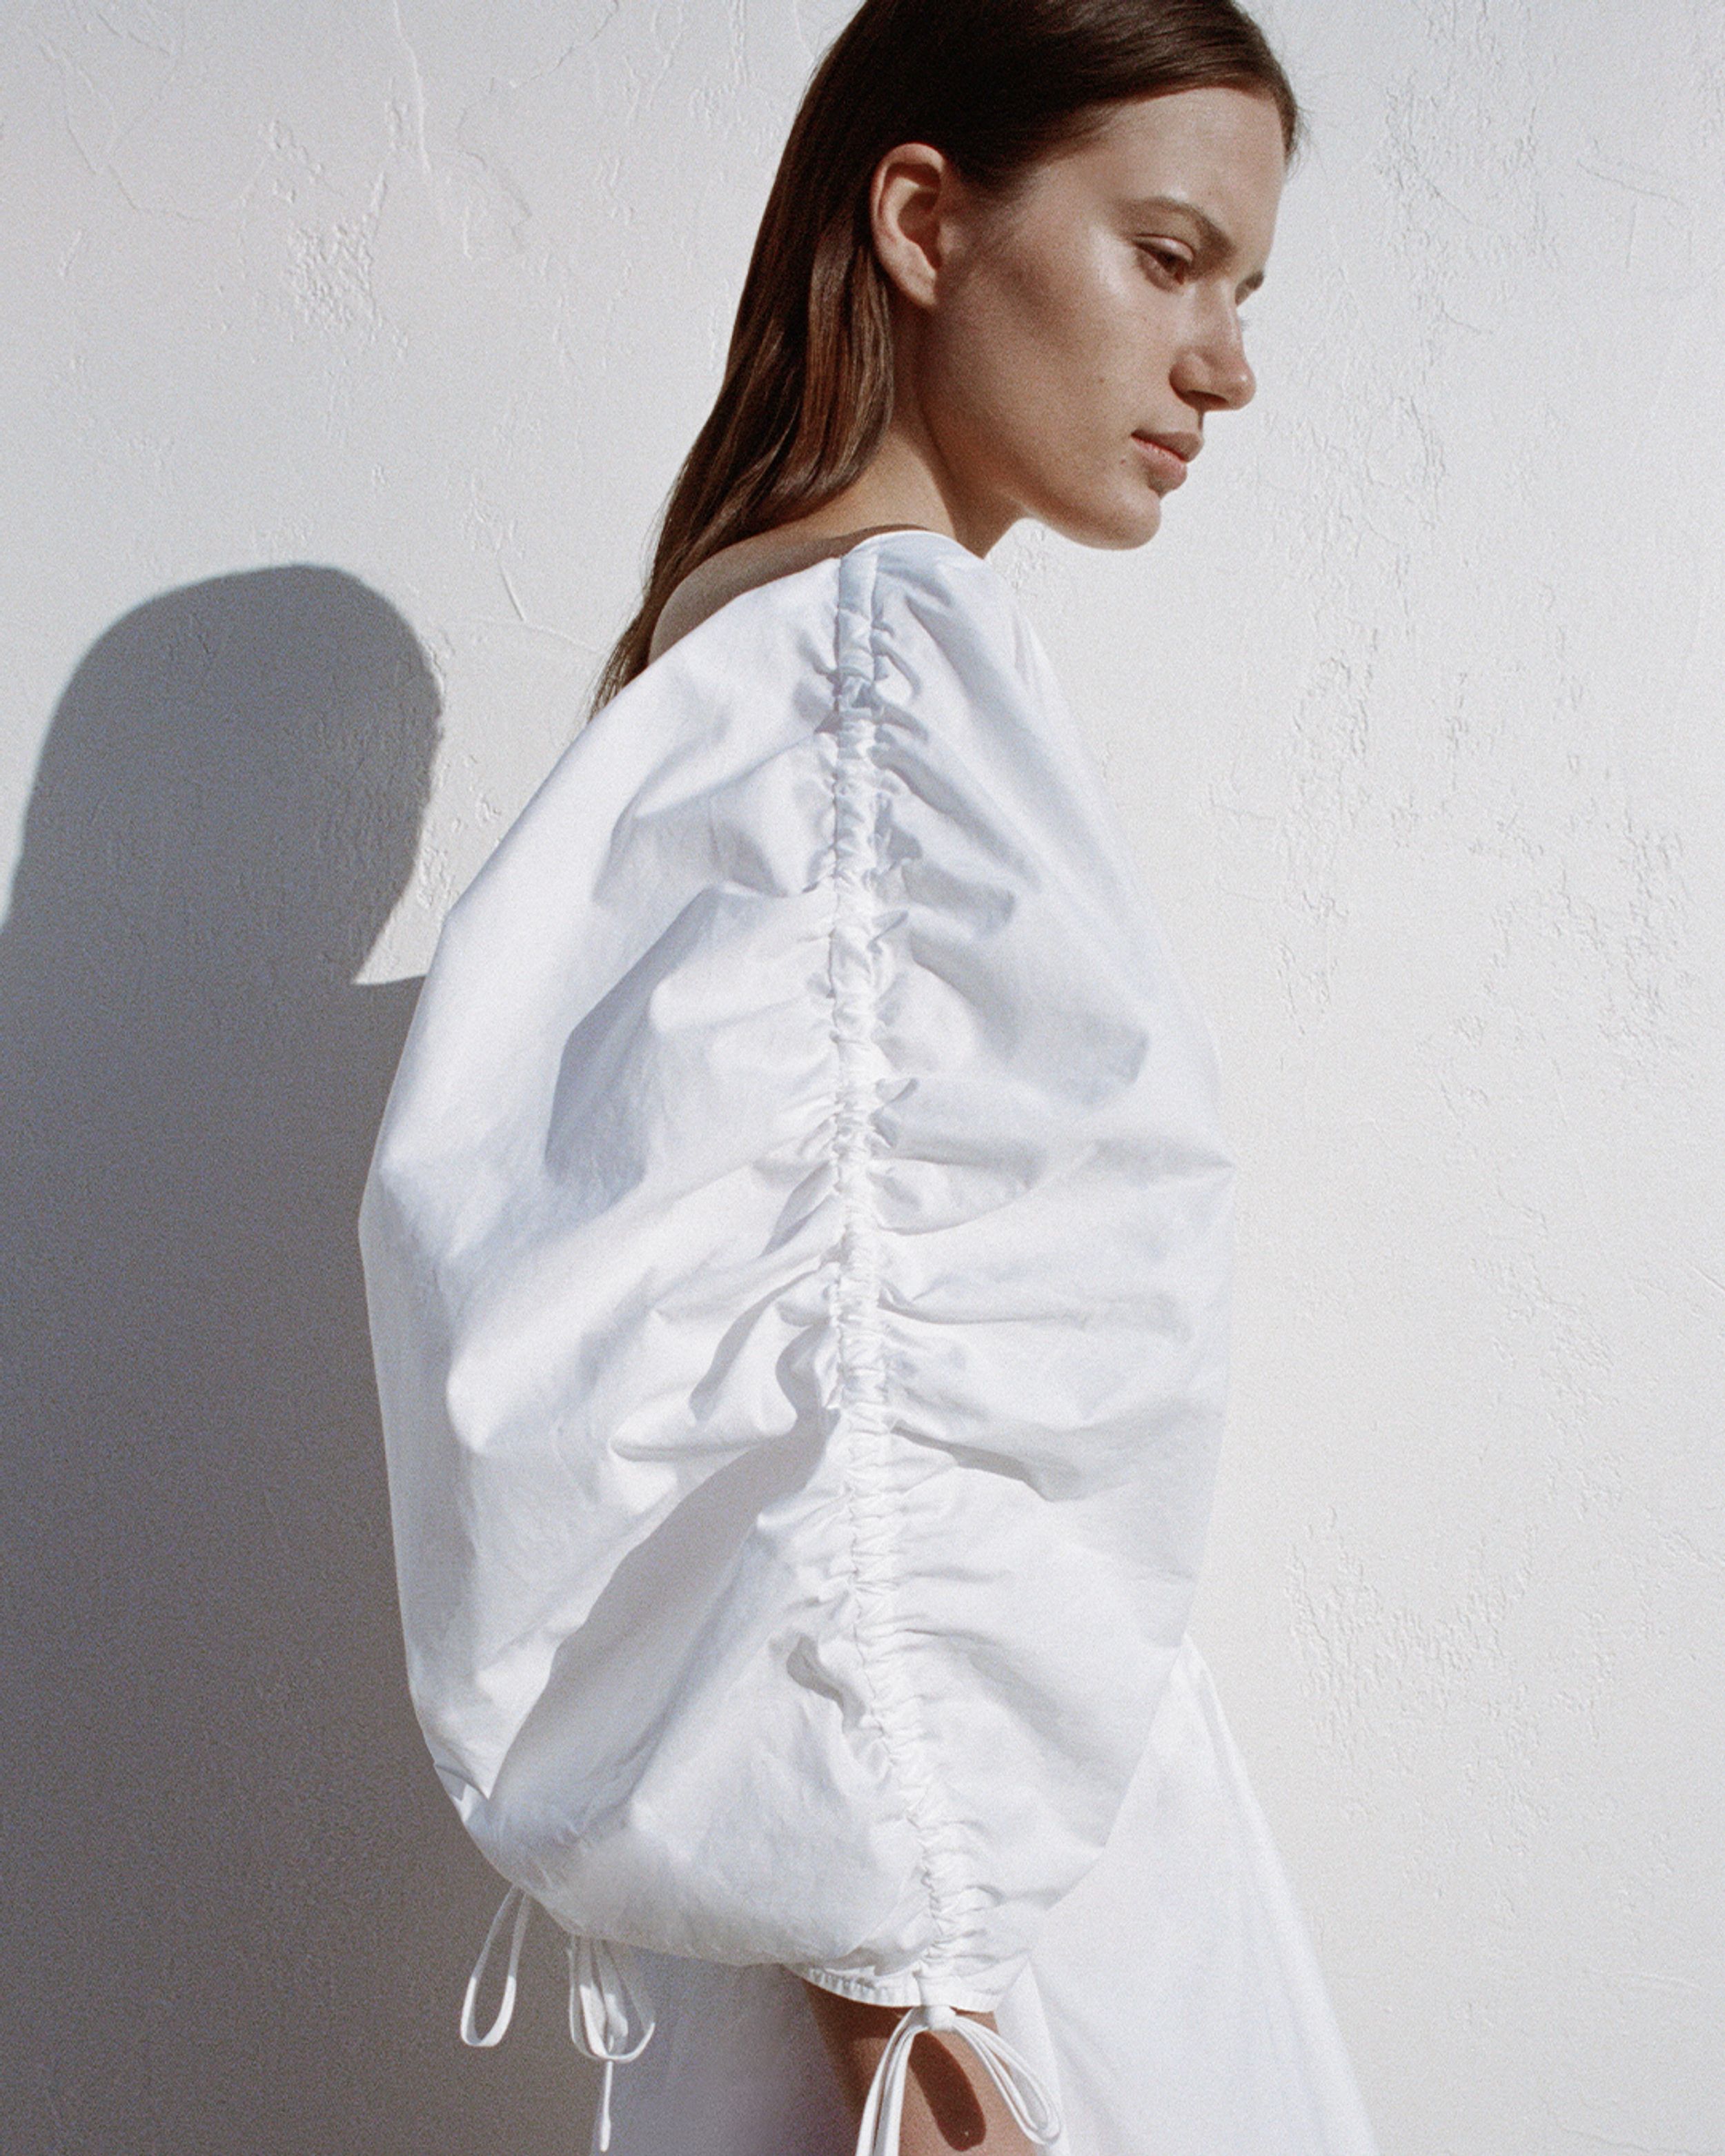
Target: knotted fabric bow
column 1028, row 2103
column 606, row 2001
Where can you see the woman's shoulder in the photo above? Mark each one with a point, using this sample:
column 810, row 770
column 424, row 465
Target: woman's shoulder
column 742, row 566
column 779, row 558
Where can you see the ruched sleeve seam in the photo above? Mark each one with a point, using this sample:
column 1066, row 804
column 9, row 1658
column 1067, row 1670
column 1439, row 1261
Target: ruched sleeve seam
column 871, row 1457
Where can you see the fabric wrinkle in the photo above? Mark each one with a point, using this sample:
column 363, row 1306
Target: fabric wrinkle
column 796, row 1252
column 864, row 1425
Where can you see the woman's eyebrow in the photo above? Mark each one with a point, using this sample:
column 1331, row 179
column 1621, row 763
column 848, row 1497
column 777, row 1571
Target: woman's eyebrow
column 1215, row 241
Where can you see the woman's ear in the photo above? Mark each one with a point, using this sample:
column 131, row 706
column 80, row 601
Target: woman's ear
column 913, row 203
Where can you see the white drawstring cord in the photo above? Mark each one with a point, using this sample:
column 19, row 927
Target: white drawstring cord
column 1028, row 2103
column 500, row 2028
column 602, row 1978
column 606, row 2003
column 606, row 1999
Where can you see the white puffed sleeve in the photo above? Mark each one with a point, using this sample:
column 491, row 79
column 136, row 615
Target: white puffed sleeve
column 796, row 1253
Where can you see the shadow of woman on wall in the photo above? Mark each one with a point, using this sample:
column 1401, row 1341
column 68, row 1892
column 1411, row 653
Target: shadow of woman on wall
column 240, row 1909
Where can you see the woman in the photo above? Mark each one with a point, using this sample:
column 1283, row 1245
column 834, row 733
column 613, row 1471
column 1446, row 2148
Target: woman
column 797, row 1244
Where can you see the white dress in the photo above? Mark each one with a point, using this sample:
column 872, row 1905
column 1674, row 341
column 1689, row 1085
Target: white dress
column 797, row 1249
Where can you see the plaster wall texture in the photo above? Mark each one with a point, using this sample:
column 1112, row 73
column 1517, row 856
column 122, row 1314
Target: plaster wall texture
column 349, row 353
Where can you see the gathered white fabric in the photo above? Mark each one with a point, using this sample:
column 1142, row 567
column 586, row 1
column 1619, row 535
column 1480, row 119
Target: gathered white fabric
column 797, row 1252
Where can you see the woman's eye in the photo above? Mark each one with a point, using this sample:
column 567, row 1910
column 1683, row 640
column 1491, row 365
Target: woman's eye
column 1167, row 258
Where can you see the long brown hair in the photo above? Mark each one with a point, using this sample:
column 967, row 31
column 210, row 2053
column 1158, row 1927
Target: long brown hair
column 995, row 84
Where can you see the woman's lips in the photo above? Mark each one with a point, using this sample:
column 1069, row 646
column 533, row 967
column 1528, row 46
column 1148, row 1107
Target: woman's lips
column 1167, row 470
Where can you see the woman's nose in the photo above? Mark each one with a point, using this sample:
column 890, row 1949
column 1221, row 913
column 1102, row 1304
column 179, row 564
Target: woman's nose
column 1214, row 374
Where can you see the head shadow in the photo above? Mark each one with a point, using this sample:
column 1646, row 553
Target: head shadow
column 241, row 1908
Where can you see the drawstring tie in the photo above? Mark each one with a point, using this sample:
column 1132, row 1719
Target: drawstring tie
column 606, row 1999
column 607, row 2003
column 1028, row 2103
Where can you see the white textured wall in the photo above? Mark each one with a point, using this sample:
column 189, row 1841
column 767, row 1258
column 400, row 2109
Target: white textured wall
column 349, row 351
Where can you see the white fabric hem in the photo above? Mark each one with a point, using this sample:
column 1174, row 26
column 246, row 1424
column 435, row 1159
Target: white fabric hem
column 908, row 1990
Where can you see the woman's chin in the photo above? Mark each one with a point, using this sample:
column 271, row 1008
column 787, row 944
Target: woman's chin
column 1122, row 525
